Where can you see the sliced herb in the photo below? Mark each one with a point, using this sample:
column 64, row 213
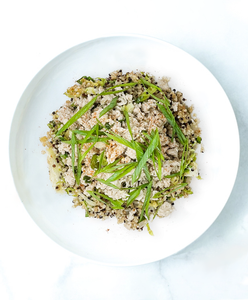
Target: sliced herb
column 198, row 139
column 69, row 190
column 120, row 140
column 107, row 167
column 89, row 140
column 85, row 132
column 122, row 172
column 146, row 94
column 94, row 162
column 149, row 229
column 125, row 112
column 139, row 153
column 145, row 157
column 51, row 124
column 101, row 81
column 109, row 107
column 107, row 183
column 161, row 193
column 107, row 126
column 146, row 202
column 85, row 77
column 98, row 161
column 170, row 118
column 183, row 164
column 87, row 179
column 64, row 155
column 116, row 203
column 73, row 143
column 102, row 161
column 145, row 82
column 86, row 210
column 133, row 195
column 172, row 175
column 79, row 165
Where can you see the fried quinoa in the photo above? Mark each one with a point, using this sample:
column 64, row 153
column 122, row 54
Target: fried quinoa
column 124, row 147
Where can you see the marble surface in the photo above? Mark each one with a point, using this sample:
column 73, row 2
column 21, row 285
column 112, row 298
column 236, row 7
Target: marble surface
column 216, row 265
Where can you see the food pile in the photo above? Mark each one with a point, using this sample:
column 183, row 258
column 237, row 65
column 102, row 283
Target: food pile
column 124, row 147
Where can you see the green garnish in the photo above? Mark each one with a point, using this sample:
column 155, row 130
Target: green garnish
column 172, row 175
column 79, row 165
column 109, row 107
column 87, row 179
column 170, row 118
column 149, row 229
column 184, row 164
column 159, row 144
column 107, row 183
column 64, row 155
column 198, row 139
column 150, row 84
column 89, row 140
column 107, row 167
column 73, row 143
column 133, row 195
column 161, row 193
column 122, row 120
column 85, row 132
column 146, row 94
column 114, row 168
column 122, row 85
column 97, row 162
column 94, row 162
column 116, row 204
column 85, row 77
column 86, row 210
column 139, row 153
column 108, row 126
column 51, row 124
column 102, row 161
column 120, row 140
column 80, row 159
column 146, row 202
column 146, row 156
column 125, row 112
column 167, row 112
column 88, row 134
column 73, row 106
column 122, row 172
column 101, row 81
column 69, row 190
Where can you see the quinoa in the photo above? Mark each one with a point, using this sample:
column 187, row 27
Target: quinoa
column 136, row 117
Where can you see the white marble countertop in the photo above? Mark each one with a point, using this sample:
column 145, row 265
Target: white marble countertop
column 216, row 265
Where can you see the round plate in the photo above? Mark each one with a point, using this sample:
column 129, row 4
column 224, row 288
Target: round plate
column 88, row 237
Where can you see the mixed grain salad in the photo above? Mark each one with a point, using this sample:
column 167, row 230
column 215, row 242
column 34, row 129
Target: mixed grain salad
column 123, row 146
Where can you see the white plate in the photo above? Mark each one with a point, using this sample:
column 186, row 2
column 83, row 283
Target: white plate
column 89, row 237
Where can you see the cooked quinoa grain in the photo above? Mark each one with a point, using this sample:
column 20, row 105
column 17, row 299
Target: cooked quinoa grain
column 124, row 147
